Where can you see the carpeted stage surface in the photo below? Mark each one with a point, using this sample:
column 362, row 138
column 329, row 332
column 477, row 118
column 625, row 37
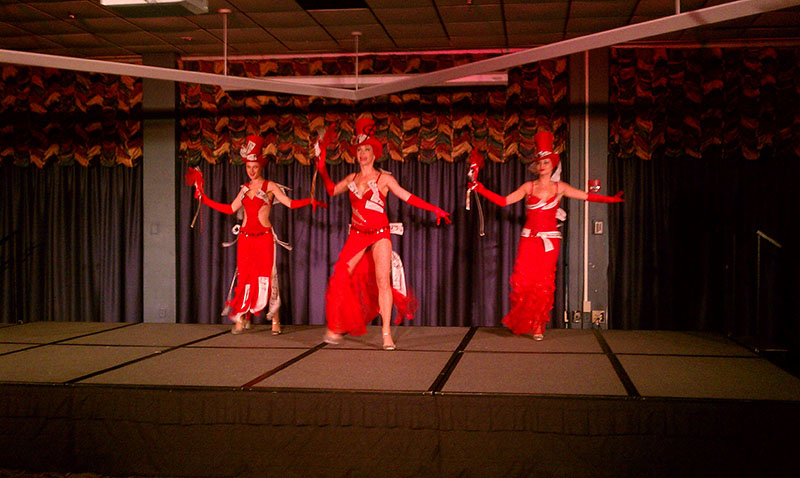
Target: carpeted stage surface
column 195, row 400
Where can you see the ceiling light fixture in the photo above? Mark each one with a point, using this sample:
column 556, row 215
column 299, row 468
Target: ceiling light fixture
column 224, row 12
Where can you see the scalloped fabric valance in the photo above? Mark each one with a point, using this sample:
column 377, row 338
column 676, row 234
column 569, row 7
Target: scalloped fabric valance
column 734, row 102
column 428, row 125
column 68, row 117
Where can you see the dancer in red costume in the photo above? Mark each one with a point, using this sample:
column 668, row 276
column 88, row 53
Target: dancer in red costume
column 359, row 288
column 533, row 280
column 255, row 249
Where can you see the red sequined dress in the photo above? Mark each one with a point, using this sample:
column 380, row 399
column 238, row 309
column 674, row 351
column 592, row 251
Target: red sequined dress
column 533, row 280
column 351, row 300
column 255, row 253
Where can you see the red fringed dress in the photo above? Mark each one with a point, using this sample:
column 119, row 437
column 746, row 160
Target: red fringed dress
column 533, row 280
column 255, row 253
column 351, row 300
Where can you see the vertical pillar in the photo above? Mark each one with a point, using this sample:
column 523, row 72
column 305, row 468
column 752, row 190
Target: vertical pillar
column 159, row 194
column 587, row 243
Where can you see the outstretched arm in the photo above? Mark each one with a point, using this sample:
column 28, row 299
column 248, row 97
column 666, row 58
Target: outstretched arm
column 406, row 196
column 293, row 203
column 573, row 193
column 333, row 189
column 223, row 208
column 501, row 201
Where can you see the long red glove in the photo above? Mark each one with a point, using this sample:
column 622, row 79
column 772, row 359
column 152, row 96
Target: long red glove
column 440, row 214
column 323, row 172
column 223, row 208
column 296, row 203
column 323, row 153
column 494, row 197
column 607, row 199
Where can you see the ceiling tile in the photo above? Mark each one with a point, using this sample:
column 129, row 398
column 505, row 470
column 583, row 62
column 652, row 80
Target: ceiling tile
column 343, row 18
column 536, row 12
column 401, row 16
column 371, row 45
column 593, row 25
column 525, row 28
column 475, row 29
column 283, row 19
column 20, row 12
column 130, row 38
column 471, row 13
column 77, row 40
column 786, row 32
column 533, row 39
column 455, row 3
column 52, row 27
column 26, row 42
column 662, row 8
column 166, row 24
column 197, row 37
column 783, row 18
column 417, row 43
column 312, row 33
column 600, row 9
column 235, row 20
column 239, row 35
column 487, row 41
column 260, row 5
column 9, row 30
column 112, row 24
column 81, row 9
column 312, row 46
column 375, row 4
column 415, row 31
column 368, row 32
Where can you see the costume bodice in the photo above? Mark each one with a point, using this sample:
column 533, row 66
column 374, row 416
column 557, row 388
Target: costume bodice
column 252, row 206
column 541, row 213
column 369, row 208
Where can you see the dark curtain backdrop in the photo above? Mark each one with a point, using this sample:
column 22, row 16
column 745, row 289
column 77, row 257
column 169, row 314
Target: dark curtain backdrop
column 458, row 277
column 705, row 163
column 70, row 243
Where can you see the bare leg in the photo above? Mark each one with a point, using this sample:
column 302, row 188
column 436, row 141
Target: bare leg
column 330, row 336
column 276, row 324
column 382, row 254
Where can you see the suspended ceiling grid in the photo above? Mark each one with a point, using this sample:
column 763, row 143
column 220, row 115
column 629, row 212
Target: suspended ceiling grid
column 85, row 29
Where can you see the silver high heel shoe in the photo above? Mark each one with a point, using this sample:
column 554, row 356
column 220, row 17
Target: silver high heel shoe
column 389, row 346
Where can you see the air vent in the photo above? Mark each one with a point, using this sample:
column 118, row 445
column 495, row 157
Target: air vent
column 157, row 8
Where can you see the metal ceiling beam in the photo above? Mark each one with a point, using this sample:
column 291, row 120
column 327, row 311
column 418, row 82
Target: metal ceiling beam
column 683, row 21
column 171, row 74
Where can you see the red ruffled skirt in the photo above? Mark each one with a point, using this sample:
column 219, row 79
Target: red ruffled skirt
column 254, row 260
column 351, row 301
column 533, row 286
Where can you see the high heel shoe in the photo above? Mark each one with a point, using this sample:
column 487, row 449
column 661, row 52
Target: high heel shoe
column 246, row 324
column 331, row 338
column 276, row 327
column 238, row 326
column 538, row 332
column 386, row 346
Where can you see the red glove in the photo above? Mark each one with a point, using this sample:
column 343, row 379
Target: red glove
column 494, row 197
column 440, row 214
column 297, row 203
column 223, row 208
column 607, row 199
column 323, row 171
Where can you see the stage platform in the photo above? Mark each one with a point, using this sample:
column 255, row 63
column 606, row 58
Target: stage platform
column 195, row 400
